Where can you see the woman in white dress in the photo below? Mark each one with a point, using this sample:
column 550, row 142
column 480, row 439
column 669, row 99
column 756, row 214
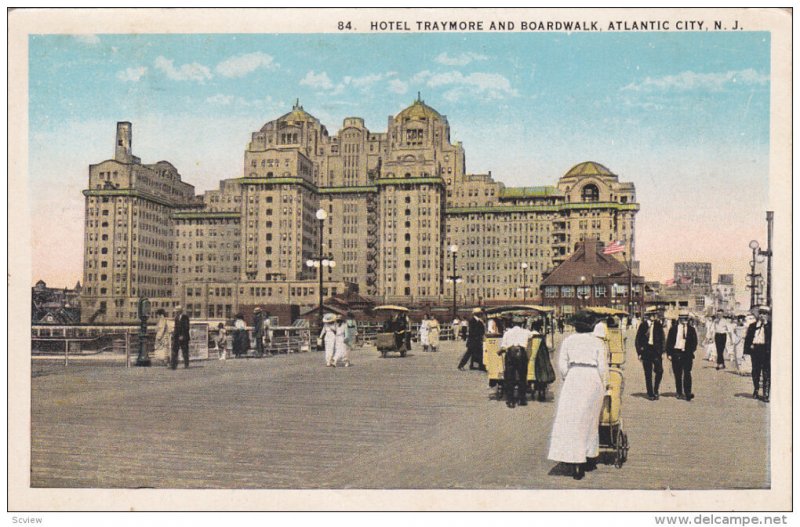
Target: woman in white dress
column 341, row 348
column 328, row 336
column 433, row 333
column 582, row 365
column 162, row 345
column 424, row 332
column 740, row 359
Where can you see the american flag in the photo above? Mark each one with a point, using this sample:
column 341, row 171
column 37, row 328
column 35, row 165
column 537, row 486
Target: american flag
column 614, row 247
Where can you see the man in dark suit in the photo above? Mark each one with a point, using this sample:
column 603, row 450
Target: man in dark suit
column 649, row 348
column 681, row 345
column 758, row 344
column 476, row 329
column 180, row 338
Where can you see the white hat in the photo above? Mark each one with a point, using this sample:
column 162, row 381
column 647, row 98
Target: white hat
column 328, row 317
column 477, row 310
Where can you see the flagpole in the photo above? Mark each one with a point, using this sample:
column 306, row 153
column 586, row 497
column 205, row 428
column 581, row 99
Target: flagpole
column 630, row 279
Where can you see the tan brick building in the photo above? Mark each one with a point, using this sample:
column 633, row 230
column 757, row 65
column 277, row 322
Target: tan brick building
column 396, row 201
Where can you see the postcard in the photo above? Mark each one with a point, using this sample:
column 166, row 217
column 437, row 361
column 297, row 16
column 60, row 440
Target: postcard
column 400, row 259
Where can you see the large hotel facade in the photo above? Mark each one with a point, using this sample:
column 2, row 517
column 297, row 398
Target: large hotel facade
column 396, row 201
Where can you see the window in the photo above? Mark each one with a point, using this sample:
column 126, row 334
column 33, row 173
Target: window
column 551, row 291
column 567, row 291
column 590, row 193
column 599, row 290
column 584, row 291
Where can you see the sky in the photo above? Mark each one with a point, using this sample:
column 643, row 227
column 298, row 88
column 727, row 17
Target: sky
column 684, row 116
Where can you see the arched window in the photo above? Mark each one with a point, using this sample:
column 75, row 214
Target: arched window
column 590, row 193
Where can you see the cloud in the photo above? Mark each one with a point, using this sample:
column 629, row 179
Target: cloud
column 459, row 60
column 241, row 65
column 486, row 85
column 88, row 39
column 367, row 80
column 398, row 86
column 186, row 72
column 223, row 100
column 132, row 74
column 319, row 81
column 690, row 80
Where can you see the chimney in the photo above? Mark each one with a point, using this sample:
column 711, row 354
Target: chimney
column 122, row 149
column 590, row 250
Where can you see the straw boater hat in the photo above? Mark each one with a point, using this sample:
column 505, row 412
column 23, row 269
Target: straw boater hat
column 764, row 309
column 477, row 311
column 683, row 313
column 328, row 317
column 257, row 309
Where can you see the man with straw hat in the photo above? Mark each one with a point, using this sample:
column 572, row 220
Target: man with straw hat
column 758, row 344
column 649, row 348
column 681, row 345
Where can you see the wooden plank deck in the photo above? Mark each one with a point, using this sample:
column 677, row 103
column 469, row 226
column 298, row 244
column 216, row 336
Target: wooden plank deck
column 415, row 422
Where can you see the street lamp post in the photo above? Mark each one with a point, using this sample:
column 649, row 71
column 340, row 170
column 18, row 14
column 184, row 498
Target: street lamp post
column 753, row 276
column 321, row 260
column 143, row 308
column 454, row 278
column 770, row 215
column 582, row 295
column 524, row 282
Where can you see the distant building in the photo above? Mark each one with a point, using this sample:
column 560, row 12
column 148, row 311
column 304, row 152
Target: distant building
column 591, row 278
column 58, row 306
column 696, row 273
column 723, row 293
column 726, row 279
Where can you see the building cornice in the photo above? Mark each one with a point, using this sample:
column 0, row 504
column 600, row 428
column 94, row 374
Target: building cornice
column 278, row 181
column 348, row 190
column 508, row 209
column 205, row 215
column 133, row 193
column 409, row 181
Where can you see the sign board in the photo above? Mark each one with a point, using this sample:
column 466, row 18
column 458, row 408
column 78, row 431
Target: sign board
column 198, row 341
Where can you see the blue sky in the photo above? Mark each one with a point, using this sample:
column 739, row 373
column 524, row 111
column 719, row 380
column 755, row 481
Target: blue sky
column 685, row 116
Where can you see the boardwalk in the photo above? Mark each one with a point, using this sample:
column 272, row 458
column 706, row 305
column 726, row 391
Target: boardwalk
column 413, row 422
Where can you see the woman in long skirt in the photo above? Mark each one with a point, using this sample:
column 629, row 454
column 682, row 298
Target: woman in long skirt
column 241, row 340
column 739, row 333
column 425, row 331
column 162, row 344
column 433, row 333
column 341, row 347
column 543, row 372
column 582, row 364
column 328, row 336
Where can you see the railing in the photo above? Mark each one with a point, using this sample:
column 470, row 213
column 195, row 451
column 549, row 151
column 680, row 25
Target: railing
column 83, row 342
column 119, row 343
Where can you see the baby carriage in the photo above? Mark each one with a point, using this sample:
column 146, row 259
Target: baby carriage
column 613, row 438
